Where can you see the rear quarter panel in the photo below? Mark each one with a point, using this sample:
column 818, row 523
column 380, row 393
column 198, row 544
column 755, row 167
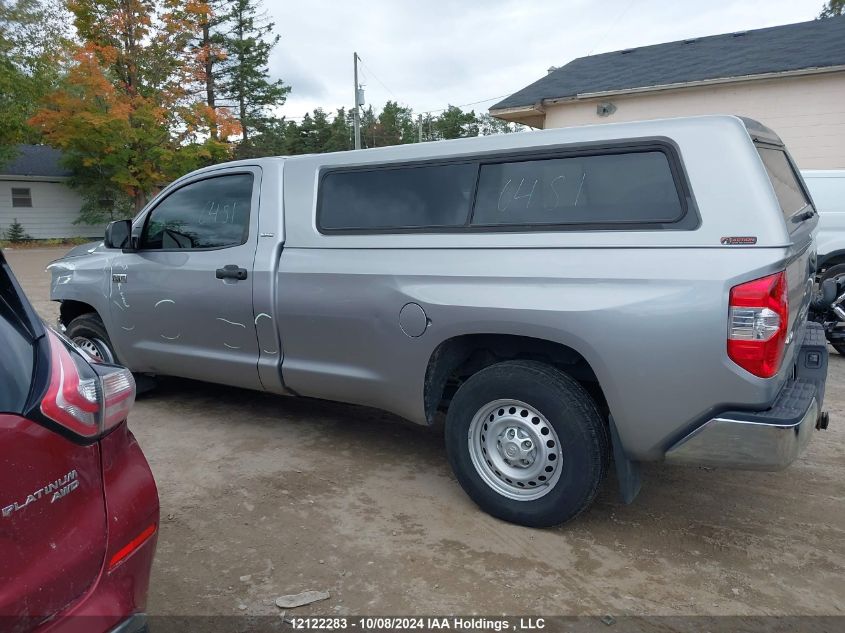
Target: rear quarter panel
column 651, row 323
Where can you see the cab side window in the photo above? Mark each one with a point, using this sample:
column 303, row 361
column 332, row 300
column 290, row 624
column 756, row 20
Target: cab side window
column 210, row 213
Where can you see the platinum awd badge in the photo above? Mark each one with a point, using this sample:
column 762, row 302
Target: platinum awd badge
column 55, row 489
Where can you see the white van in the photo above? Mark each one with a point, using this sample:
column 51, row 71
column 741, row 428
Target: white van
column 827, row 188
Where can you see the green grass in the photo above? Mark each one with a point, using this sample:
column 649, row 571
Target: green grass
column 48, row 243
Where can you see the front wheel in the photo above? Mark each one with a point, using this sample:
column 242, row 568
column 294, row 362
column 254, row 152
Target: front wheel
column 88, row 332
column 527, row 443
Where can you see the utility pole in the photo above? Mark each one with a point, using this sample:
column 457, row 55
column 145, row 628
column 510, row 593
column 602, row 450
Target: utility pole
column 356, row 115
column 419, row 124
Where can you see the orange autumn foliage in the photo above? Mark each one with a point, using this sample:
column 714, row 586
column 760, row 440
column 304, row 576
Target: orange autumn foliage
column 126, row 115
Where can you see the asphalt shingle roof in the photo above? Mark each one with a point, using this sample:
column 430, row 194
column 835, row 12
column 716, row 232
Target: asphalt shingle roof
column 816, row 44
column 35, row 160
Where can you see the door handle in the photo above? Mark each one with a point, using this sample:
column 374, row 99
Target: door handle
column 231, row 271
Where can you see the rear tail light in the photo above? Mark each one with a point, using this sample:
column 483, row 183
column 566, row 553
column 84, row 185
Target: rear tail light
column 87, row 400
column 759, row 316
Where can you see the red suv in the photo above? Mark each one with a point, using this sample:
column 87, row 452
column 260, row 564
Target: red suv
column 78, row 503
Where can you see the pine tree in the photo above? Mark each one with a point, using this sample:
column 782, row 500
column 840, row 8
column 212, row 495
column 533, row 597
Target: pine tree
column 832, row 8
column 209, row 53
column 369, row 128
column 16, row 233
column 242, row 78
column 340, row 136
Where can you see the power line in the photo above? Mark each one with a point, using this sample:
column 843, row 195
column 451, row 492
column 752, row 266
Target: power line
column 464, row 105
column 461, row 105
column 395, row 96
column 611, row 26
column 372, row 72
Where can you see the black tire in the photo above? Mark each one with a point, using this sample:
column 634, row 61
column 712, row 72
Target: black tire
column 834, row 271
column 568, row 408
column 89, row 333
column 90, row 327
column 837, row 270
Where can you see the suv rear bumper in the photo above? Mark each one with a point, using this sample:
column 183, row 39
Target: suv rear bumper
column 136, row 623
column 770, row 439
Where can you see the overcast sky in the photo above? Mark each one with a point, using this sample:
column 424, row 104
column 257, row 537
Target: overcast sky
column 430, row 54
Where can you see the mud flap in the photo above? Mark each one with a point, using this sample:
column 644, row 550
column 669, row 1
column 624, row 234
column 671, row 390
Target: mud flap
column 627, row 471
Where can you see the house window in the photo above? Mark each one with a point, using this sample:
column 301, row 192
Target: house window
column 21, row 197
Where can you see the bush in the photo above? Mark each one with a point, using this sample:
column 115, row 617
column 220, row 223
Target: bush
column 16, row 234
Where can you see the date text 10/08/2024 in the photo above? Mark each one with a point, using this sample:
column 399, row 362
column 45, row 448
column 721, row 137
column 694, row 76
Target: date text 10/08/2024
column 456, row 623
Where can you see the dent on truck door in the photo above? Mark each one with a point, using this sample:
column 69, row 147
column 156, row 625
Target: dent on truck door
column 188, row 289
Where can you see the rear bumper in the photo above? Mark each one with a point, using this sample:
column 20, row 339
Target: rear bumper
column 765, row 440
column 735, row 443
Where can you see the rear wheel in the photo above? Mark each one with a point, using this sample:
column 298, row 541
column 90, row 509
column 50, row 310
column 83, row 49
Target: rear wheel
column 527, row 443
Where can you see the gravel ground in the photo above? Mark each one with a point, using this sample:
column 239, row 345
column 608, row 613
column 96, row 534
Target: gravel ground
column 263, row 496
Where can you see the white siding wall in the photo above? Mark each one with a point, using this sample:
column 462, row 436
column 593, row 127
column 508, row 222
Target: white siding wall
column 807, row 112
column 55, row 207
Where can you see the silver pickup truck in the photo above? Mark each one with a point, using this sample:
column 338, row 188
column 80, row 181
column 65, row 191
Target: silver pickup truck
column 570, row 298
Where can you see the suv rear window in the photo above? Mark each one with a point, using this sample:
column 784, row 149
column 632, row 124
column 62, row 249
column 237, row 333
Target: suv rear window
column 18, row 357
column 784, row 180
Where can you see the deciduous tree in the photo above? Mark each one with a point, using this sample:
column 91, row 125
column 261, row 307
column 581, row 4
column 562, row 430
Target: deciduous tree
column 455, row 123
column 33, row 38
column 124, row 115
column 394, row 126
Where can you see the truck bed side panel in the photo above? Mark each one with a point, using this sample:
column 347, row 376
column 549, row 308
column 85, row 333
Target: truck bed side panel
column 655, row 335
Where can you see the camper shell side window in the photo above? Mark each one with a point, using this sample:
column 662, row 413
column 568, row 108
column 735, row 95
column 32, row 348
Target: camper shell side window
column 631, row 186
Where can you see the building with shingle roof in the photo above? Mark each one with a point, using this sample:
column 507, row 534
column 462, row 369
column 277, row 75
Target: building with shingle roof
column 34, row 191
column 791, row 78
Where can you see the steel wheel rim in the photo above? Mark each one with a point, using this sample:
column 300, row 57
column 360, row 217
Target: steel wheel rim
column 515, row 450
column 95, row 348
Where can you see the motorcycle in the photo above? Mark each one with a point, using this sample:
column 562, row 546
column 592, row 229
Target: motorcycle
column 828, row 306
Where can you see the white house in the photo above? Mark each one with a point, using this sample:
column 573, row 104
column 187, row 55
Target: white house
column 791, row 78
column 34, row 190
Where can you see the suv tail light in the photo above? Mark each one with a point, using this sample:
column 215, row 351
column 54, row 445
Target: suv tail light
column 759, row 316
column 87, row 400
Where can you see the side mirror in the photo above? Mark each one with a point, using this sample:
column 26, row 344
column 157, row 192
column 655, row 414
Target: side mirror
column 118, row 234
